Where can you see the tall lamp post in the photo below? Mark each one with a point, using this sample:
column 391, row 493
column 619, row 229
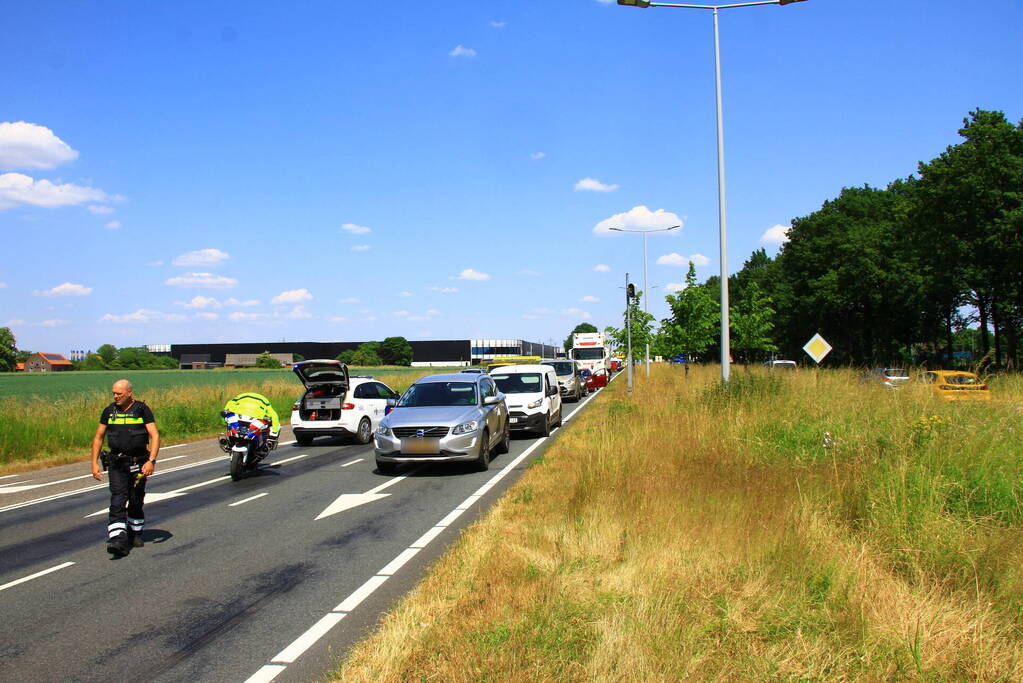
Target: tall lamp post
column 646, row 291
column 722, row 221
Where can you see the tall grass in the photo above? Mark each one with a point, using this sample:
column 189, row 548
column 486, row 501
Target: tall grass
column 799, row 527
column 59, row 428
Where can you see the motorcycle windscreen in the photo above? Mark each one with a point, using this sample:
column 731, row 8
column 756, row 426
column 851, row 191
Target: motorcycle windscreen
column 322, row 372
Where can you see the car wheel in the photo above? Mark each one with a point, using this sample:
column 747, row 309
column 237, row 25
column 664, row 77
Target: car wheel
column 365, row 432
column 578, row 394
column 482, row 462
column 303, row 439
column 387, row 467
column 545, row 428
column 505, row 445
column 558, row 423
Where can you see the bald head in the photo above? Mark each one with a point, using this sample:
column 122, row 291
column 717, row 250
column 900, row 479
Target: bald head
column 122, row 393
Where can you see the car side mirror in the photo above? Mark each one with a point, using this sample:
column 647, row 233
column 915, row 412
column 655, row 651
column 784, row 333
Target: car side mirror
column 491, row 400
column 552, row 391
column 391, row 402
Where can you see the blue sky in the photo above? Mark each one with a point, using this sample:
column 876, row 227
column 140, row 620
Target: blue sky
column 234, row 171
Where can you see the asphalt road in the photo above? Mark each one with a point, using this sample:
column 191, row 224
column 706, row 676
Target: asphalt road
column 267, row 578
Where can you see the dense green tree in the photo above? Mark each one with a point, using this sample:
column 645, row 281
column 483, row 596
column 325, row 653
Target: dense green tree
column 92, row 361
column 346, row 356
column 108, row 352
column 395, row 351
column 694, row 320
column 297, row 358
column 8, row 350
column 368, row 353
column 751, row 320
column 581, row 327
column 265, row 360
column 642, row 326
column 22, row 355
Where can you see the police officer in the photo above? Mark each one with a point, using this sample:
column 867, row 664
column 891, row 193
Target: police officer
column 252, row 406
column 134, row 443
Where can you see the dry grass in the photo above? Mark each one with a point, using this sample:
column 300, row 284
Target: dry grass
column 694, row 532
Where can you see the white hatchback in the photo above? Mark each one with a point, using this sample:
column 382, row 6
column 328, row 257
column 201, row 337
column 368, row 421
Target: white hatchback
column 338, row 404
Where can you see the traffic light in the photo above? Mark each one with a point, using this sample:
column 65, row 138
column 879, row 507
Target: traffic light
column 630, row 292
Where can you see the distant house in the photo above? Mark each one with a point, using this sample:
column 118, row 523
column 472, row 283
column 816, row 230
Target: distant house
column 47, row 362
column 19, row 367
column 248, row 360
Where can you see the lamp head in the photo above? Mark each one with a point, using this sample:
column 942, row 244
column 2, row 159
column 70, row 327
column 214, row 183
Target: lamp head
column 645, row 3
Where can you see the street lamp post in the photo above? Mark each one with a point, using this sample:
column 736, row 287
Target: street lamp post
column 646, row 291
column 722, row 219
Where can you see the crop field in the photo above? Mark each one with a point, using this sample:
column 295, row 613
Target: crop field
column 51, row 418
column 785, row 527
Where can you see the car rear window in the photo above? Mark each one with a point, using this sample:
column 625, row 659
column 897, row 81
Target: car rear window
column 961, row 379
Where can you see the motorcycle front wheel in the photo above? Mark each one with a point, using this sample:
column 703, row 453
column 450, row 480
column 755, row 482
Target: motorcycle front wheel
column 237, row 464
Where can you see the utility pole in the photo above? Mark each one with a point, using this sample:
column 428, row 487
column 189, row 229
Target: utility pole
column 630, row 291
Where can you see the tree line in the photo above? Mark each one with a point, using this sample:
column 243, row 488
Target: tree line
column 926, row 270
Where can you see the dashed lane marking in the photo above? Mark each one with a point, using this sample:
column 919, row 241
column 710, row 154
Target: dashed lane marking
column 35, row 576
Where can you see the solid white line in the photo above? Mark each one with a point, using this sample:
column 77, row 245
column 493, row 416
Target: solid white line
column 398, row 562
column 202, row 483
column 8, row 476
column 328, row 621
column 266, row 674
column 352, row 462
column 360, row 594
column 302, row 643
column 35, row 576
column 246, row 500
column 281, row 462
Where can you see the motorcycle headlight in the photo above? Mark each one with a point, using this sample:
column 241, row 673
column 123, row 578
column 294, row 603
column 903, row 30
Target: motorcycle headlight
column 534, row 404
column 383, row 431
column 466, row 427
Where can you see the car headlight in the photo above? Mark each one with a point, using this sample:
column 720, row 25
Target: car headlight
column 384, row 431
column 534, row 404
column 466, row 427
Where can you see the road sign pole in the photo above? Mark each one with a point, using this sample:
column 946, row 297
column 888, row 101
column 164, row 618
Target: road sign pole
column 628, row 332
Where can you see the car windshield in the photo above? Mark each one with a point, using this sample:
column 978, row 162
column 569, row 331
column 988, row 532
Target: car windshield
column 563, row 367
column 519, row 383
column 587, row 354
column 961, row 379
column 439, row 394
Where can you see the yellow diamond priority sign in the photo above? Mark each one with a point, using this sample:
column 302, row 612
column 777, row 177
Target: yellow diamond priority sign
column 817, row 348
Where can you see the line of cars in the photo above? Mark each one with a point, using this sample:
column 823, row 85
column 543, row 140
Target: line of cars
column 951, row 385
column 459, row 417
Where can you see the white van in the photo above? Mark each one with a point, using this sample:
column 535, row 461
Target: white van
column 533, row 397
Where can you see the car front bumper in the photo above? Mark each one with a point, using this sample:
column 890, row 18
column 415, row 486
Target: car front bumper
column 519, row 421
column 450, row 448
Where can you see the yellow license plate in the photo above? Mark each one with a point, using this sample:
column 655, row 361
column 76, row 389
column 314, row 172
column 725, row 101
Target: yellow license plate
column 420, row 446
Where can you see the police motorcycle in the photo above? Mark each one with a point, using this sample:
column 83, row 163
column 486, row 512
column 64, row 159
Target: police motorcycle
column 247, row 440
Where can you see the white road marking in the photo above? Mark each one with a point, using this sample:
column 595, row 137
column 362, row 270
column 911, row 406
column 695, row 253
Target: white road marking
column 315, row 632
column 347, row 501
column 267, row 673
column 352, row 462
column 8, row 476
column 246, row 500
column 35, row 576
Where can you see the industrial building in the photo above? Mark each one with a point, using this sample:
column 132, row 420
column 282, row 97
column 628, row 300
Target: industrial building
column 447, row 352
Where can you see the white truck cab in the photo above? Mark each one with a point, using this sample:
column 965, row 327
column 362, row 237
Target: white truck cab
column 533, row 396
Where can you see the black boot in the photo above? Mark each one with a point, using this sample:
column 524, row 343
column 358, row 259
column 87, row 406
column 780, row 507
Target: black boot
column 118, row 546
column 136, row 539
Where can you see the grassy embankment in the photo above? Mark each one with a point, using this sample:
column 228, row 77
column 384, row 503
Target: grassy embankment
column 50, row 419
column 787, row 527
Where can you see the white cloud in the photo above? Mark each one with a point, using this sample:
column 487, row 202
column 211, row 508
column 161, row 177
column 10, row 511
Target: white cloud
column 350, row 300
column 542, row 311
column 67, row 289
column 445, row 290
column 576, row 313
column 53, row 322
column 17, row 189
column 354, row 229
column 99, row 210
column 296, row 313
column 201, row 257
column 674, row 259
column 153, row 264
column 239, row 316
column 3, row 285
column 589, row 299
column 432, row 311
column 536, row 156
column 27, row 145
column 369, row 318
column 113, row 225
column 206, row 315
column 601, row 268
column 405, row 294
column 204, row 280
column 199, row 302
column 142, row 315
column 400, row 314
column 530, row 316
column 498, row 24
column 235, row 302
column 360, row 247
column 673, row 287
column 593, row 185
column 777, row 235
column 638, row 217
column 292, row 296
column 470, row 274
column 339, row 319
column 460, row 51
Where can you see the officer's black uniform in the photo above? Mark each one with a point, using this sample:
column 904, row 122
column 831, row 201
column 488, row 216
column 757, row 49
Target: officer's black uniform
column 128, row 440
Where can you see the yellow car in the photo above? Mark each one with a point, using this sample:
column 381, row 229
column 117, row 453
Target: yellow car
column 956, row 385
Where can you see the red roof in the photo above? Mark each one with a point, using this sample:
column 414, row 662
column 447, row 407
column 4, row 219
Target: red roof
column 19, row 367
column 54, row 358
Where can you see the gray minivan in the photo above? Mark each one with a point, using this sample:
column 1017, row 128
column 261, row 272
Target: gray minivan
column 570, row 380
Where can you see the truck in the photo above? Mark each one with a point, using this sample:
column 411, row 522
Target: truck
column 590, row 349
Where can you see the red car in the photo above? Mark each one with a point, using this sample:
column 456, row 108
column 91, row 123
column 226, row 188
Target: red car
column 616, row 365
column 594, row 381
